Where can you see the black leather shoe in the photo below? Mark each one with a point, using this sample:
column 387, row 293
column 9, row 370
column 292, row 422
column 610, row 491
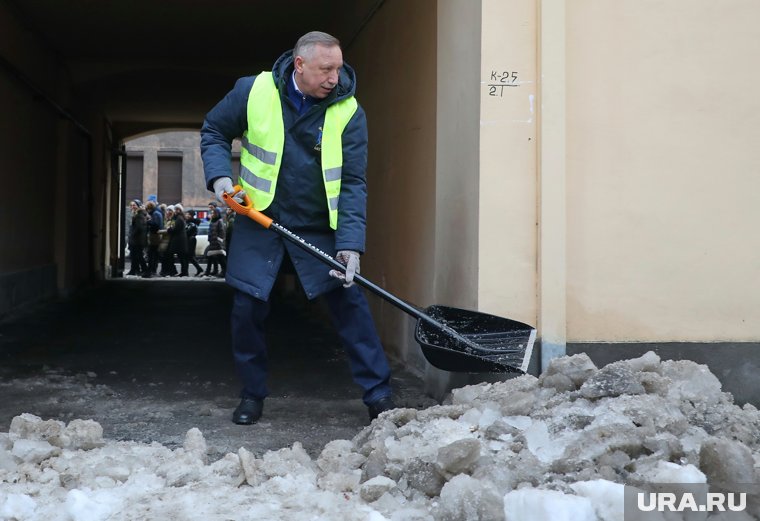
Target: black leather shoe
column 383, row 404
column 248, row 412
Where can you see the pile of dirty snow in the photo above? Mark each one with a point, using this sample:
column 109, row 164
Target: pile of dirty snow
column 558, row 447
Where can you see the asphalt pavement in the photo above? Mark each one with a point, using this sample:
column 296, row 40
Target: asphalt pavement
column 150, row 359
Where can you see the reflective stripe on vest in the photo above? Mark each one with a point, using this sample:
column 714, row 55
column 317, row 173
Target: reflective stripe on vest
column 263, row 143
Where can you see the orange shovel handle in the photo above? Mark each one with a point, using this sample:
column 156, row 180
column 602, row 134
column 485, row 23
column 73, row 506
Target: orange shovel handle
column 246, row 208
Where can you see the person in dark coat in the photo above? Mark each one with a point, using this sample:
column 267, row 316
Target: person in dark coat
column 191, row 229
column 230, row 219
column 178, row 239
column 310, row 79
column 216, row 261
column 168, row 269
column 155, row 223
column 138, row 239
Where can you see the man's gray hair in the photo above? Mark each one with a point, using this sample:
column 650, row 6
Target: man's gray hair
column 306, row 43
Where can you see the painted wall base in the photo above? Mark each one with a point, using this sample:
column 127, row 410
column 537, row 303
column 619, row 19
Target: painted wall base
column 736, row 364
column 550, row 351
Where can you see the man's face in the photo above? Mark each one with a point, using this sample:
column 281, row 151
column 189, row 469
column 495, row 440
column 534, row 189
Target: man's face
column 317, row 74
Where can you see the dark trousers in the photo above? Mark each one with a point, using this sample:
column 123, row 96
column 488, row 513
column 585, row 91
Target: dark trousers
column 137, row 259
column 184, row 261
column 167, row 264
column 191, row 243
column 153, row 257
column 351, row 317
column 216, row 264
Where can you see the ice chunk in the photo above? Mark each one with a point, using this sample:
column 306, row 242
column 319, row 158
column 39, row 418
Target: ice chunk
column 648, row 362
column 254, row 475
column 531, row 504
column 467, row 499
column 195, row 444
column 518, row 422
column 376, row 516
column 520, row 403
column 654, row 383
column 30, row 427
column 372, row 489
column 5, row 441
column 339, row 456
column 181, row 473
column 229, row 469
column 482, row 419
column 469, row 394
column 18, row 506
column 92, row 506
column 294, row 460
column 472, row 417
column 422, row 440
column 560, row 382
column 667, row 472
column 6, row 459
column 665, row 445
column 347, row 481
column 375, row 464
column 691, row 381
column 726, row 461
column 606, row 497
column 576, row 368
column 541, row 444
column 500, row 392
column 83, row 434
column 31, row 451
column 424, row 476
column 611, row 380
column 459, row 456
column 112, row 468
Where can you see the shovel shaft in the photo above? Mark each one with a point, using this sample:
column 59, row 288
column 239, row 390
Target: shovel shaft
column 248, row 210
column 358, row 279
column 369, row 285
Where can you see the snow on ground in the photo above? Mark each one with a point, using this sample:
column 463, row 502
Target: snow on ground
column 558, row 447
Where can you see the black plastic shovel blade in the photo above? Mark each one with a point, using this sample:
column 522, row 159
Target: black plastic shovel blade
column 494, row 344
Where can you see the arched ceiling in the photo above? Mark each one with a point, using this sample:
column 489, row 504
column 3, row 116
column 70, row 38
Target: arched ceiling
column 164, row 63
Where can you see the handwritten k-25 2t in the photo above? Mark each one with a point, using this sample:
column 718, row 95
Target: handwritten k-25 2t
column 501, row 79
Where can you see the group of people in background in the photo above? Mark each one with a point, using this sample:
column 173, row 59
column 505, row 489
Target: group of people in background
column 161, row 236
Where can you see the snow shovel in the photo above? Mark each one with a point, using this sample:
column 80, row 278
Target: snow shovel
column 451, row 339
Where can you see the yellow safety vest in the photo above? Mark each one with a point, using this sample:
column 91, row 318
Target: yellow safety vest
column 263, row 142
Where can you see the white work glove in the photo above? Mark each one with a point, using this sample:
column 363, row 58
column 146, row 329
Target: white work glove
column 351, row 259
column 222, row 185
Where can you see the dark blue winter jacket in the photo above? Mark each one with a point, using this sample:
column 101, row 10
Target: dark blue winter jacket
column 300, row 202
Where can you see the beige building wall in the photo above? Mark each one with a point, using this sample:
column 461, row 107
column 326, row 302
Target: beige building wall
column 457, row 164
column 663, row 170
column 635, row 219
column 507, row 179
column 395, row 61
column 452, row 170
